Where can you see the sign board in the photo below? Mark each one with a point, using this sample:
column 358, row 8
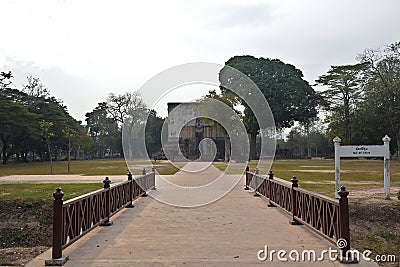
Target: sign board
column 362, row 151
column 374, row 151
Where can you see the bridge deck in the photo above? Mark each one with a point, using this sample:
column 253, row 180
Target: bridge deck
column 228, row 232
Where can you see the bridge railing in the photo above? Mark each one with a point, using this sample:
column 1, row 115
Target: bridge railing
column 76, row 217
column 326, row 216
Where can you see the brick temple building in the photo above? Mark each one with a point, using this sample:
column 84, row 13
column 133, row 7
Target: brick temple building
column 189, row 132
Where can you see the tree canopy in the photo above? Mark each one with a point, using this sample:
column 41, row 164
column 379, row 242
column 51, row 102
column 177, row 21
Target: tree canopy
column 362, row 101
column 289, row 96
column 364, row 98
column 22, row 111
column 343, row 93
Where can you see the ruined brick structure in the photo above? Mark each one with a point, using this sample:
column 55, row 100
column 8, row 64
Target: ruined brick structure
column 194, row 131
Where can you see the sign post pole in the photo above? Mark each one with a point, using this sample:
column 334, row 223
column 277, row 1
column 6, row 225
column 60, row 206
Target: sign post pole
column 386, row 172
column 337, row 141
column 363, row 151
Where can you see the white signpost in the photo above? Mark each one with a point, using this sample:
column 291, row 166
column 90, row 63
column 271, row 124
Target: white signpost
column 363, row 152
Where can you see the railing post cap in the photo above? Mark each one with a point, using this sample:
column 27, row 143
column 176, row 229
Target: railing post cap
column 58, row 194
column 295, row 181
column 107, row 182
column 337, row 140
column 247, row 168
column 256, row 171
column 386, row 139
column 343, row 192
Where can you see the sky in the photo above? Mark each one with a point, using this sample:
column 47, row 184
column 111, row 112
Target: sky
column 83, row 50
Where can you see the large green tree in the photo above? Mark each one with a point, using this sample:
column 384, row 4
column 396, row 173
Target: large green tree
column 343, row 93
column 289, row 96
column 103, row 130
column 382, row 89
column 20, row 115
column 16, row 123
column 153, row 133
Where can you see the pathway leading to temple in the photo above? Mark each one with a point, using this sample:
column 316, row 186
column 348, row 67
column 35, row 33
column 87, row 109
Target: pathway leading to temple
column 228, row 232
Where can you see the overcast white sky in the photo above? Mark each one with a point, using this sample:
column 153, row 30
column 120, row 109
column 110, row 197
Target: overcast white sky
column 82, row 50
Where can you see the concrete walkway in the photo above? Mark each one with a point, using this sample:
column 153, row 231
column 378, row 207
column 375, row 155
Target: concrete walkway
column 228, row 232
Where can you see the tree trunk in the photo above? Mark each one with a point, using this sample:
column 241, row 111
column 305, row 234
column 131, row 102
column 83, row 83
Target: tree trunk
column 227, row 149
column 5, row 158
column 253, row 141
column 4, row 150
column 51, row 158
column 307, row 127
column 25, row 156
column 77, row 152
column 347, row 124
column 398, row 145
column 69, row 155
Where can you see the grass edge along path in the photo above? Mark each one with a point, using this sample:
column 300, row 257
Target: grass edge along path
column 84, row 167
column 44, row 192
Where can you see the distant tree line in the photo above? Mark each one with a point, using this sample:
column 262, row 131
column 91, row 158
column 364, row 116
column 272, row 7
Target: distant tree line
column 35, row 126
column 362, row 103
column 104, row 125
column 363, row 100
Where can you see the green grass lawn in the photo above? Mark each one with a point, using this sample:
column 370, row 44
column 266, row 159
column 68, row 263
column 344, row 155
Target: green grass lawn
column 317, row 175
column 44, row 191
column 312, row 174
column 36, row 192
column 83, row 167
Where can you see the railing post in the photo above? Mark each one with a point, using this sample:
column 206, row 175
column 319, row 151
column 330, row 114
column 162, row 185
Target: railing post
column 130, row 205
column 57, row 258
column 295, row 184
column 386, row 164
column 246, row 187
column 143, row 184
column 107, row 183
column 344, row 225
column 153, row 170
column 270, row 178
column 256, row 171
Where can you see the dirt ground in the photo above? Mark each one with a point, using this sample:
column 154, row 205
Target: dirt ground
column 375, row 225
column 26, row 230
